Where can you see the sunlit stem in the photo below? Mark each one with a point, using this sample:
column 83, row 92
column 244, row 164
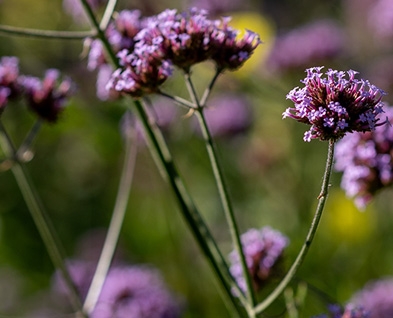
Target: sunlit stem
column 310, row 235
column 222, row 189
column 110, row 7
column 115, row 225
column 209, row 88
column 47, row 34
column 178, row 100
column 41, row 220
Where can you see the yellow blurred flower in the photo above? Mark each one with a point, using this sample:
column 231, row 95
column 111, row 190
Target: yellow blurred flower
column 344, row 222
column 259, row 24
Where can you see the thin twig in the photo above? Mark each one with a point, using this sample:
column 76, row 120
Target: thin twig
column 110, row 8
column 115, row 225
column 209, row 88
column 178, row 100
column 47, row 34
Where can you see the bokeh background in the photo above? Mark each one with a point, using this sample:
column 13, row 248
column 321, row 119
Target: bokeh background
column 273, row 176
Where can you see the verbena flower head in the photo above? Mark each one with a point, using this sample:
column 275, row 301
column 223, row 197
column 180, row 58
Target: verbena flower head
column 47, row 97
column 263, row 250
column 189, row 37
column 9, row 73
column 377, row 298
column 366, row 161
column 350, row 311
column 120, row 34
column 135, row 292
column 140, row 73
column 335, row 103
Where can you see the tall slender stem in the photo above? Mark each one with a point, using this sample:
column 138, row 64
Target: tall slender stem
column 26, row 145
column 47, row 34
column 41, row 220
column 115, row 225
column 194, row 220
column 222, row 189
column 310, row 235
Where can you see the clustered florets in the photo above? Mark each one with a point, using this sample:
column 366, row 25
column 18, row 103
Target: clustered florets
column 149, row 48
column 45, row 97
column 263, row 250
column 335, row 104
column 366, row 160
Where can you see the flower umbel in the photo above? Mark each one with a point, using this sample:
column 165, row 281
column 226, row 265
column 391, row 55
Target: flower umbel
column 335, row 103
column 262, row 249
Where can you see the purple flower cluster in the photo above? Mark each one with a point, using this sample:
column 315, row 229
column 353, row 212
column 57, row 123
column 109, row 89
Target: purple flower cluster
column 136, row 292
column 377, row 298
column 310, row 43
column 335, row 104
column 128, row 291
column 45, row 97
column 350, row 311
column 263, row 249
column 174, row 39
column 366, row 161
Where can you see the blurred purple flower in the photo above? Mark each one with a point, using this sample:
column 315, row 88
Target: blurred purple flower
column 9, row 73
column 75, row 9
column 4, row 93
column 81, row 273
column 366, row 160
column 381, row 19
column 377, row 298
column 305, row 46
column 227, row 115
column 104, row 74
column 263, row 250
column 350, row 311
column 47, row 97
column 136, row 292
column 334, row 105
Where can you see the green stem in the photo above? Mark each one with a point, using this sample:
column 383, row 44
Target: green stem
column 222, row 189
column 193, row 218
column 226, row 203
column 178, row 100
column 47, row 34
column 209, row 88
column 23, row 153
column 115, row 225
column 310, row 235
column 110, row 7
column 41, row 220
column 100, row 33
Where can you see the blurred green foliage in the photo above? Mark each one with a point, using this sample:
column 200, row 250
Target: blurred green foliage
column 273, row 177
